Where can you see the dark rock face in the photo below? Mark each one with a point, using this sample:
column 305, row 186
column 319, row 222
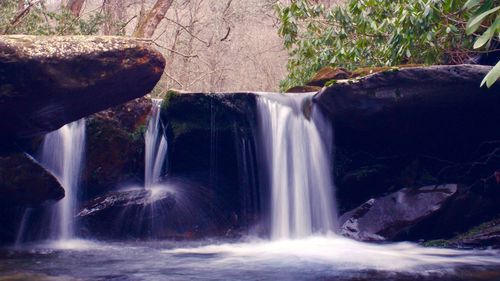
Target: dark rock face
column 23, row 182
column 387, row 217
column 210, row 138
column 115, row 147
column 46, row 82
column 412, row 127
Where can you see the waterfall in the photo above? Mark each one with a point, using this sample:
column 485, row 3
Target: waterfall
column 62, row 154
column 156, row 147
column 296, row 143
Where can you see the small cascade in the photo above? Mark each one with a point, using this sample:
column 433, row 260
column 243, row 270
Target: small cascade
column 296, row 144
column 62, row 154
column 156, row 147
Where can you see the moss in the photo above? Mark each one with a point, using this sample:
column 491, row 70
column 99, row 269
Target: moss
column 331, row 82
column 479, row 229
column 139, row 132
column 168, row 97
column 364, row 71
column 459, row 240
column 440, row 243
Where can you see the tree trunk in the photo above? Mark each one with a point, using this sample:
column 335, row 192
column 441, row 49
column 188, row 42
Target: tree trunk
column 75, row 7
column 115, row 16
column 148, row 22
column 20, row 6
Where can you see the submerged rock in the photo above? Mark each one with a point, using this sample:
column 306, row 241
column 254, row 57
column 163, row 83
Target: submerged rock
column 175, row 209
column 128, row 198
column 46, row 82
column 387, row 217
column 127, row 213
column 24, row 182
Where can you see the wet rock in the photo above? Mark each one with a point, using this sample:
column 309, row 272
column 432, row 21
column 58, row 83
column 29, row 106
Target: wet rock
column 210, row 137
column 46, row 82
column 24, row 182
column 126, row 199
column 173, row 210
column 385, row 218
column 115, row 147
column 128, row 213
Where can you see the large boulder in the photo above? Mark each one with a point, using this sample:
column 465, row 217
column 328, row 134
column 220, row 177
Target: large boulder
column 385, row 218
column 24, row 182
column 46, row 82
column 425, row 109
column 414, row 126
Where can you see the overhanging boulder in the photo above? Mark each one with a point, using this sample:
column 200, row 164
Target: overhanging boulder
column 46, row 82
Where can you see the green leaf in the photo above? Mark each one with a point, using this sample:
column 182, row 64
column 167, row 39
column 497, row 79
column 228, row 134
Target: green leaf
column 487, row 35
column 471, row 3
column 475, row 22
column 492, row 76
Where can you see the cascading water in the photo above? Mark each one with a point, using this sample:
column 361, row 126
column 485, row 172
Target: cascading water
column 62, row 154
column 156, row 147
column 296, row 143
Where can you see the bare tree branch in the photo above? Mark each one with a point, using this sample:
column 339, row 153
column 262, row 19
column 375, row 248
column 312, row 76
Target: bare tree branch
column 189, row 32
column 227, row 34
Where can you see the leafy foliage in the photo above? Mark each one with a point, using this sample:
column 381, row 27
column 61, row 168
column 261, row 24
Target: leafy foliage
column 38, row 20
column 485, row 11
column 372, row 33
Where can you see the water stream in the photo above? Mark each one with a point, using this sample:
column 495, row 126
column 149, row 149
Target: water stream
column 62, row 154
column 156, row 147
column 296, row 145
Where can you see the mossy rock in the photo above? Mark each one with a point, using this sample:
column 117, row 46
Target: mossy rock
column 303, row 89
column 364, row 71
column 485, row 235
column 328, row 73
column 115, row 146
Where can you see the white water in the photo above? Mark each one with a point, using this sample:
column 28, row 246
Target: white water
column 156, row 147
column 62, row 154
column 296, row 143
